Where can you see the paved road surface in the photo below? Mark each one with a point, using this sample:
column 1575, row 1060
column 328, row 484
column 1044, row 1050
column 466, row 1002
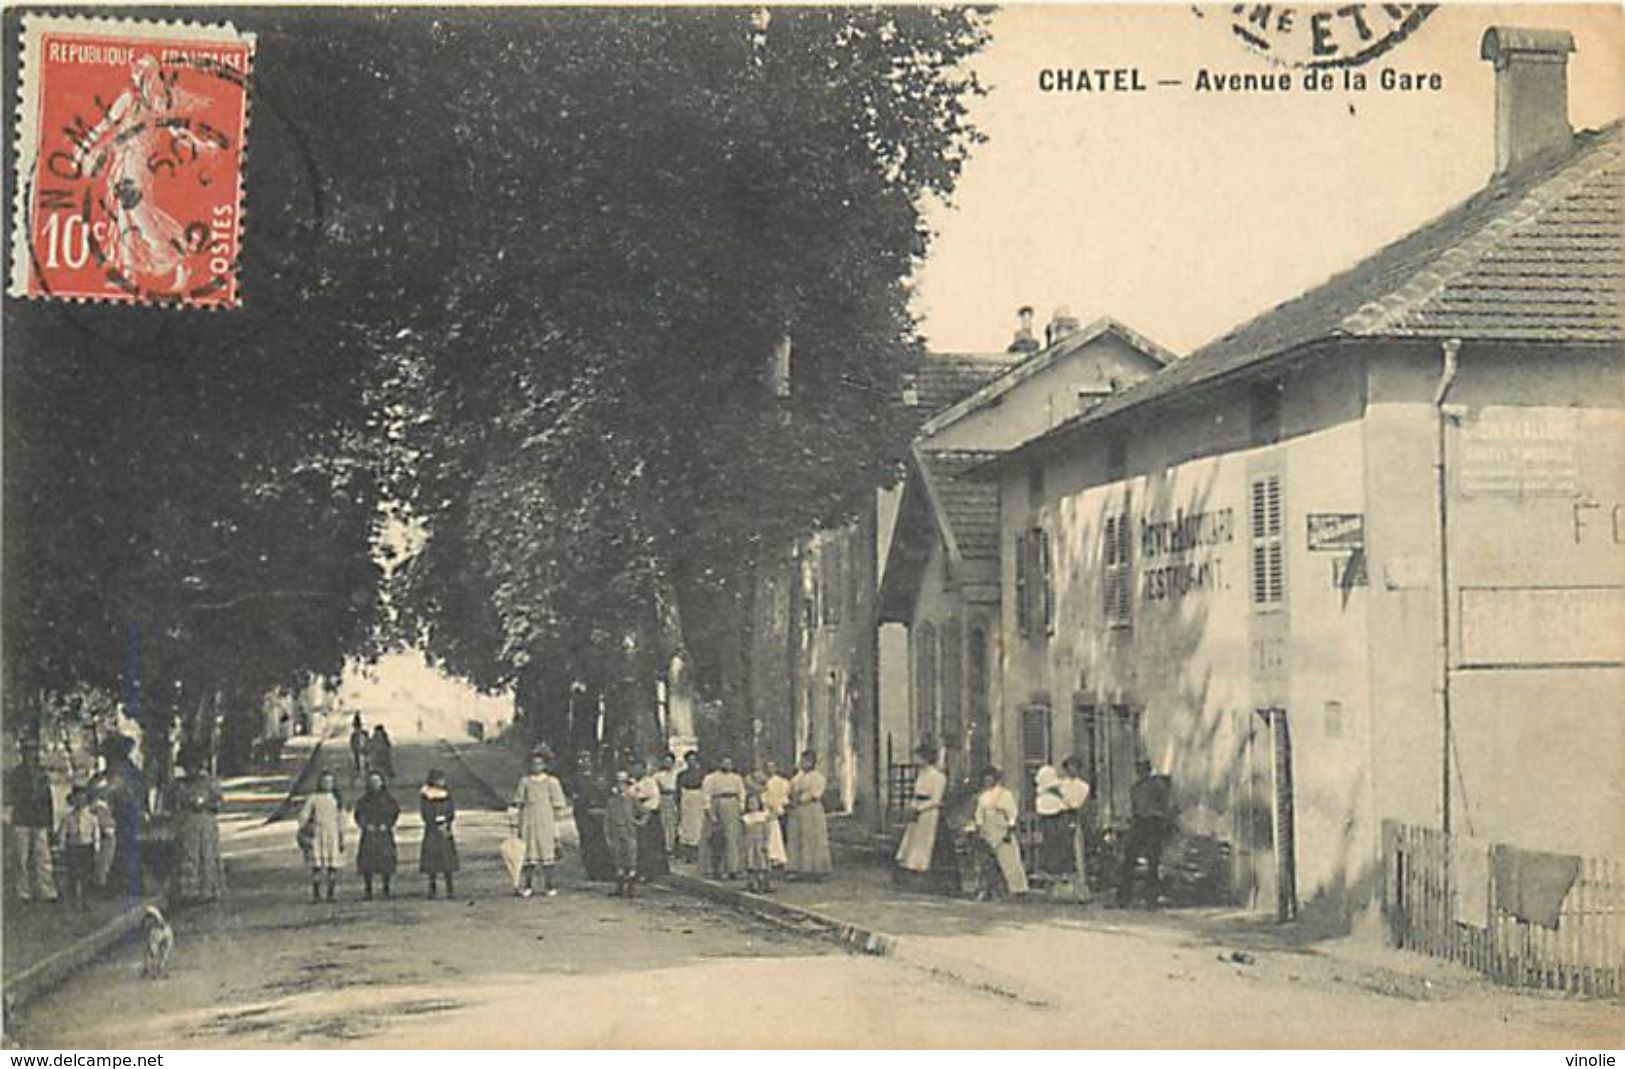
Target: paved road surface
column 267, row 968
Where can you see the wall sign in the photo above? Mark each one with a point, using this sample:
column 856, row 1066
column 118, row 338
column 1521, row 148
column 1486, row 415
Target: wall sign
column 1513, row 452
column 1336, row 532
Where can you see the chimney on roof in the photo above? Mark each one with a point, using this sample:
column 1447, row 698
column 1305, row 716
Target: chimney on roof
column 1024, row 342
column 1531, row 92
column 1062, row 323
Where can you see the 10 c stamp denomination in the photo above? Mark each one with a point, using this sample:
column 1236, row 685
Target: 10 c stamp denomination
column 131, row 141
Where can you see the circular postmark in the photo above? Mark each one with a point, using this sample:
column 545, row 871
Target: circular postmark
column 133, row 186
column 1318, row 35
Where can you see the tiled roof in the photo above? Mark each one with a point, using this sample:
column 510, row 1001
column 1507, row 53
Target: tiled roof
column 940, row 379
column 1538, row 255
column 971, row 508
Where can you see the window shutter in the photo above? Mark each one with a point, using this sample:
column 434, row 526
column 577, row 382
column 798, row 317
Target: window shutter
column 953, row 685
column 1046, row 582
column 1023, row 580
column 1268, row 546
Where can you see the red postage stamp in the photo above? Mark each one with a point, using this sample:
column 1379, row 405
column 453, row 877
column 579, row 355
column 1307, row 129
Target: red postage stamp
column 130, row 148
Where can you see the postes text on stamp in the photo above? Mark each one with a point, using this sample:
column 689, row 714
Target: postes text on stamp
column 130, row 147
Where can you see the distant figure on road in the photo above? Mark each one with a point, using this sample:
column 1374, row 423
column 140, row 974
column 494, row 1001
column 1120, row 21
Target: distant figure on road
column 651, row 831
column 621, row 831
column 358, row 747
column 691, row 807
column 381, row 754
column 195, row 799
column 995, row 822
column 666, row 779
column 538, row 801
column 725, row 799
column 1151, row 809
column 438, row 855
column 376, row 812
column 321, row 835
column 809, row 829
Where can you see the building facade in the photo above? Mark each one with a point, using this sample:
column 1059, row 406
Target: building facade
column 1361, row 559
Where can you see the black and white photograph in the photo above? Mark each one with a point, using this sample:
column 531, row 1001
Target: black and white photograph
column 769, row 527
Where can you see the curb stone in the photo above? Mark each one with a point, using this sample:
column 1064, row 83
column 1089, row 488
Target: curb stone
column 40, row 977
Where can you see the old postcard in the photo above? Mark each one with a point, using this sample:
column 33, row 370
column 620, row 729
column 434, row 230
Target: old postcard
column 814, row 527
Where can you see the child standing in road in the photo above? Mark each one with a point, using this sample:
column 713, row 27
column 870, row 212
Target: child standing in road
column 438, row 855
column 321, row 835
column 81, row 836
column 621, row 833
column 758, row 822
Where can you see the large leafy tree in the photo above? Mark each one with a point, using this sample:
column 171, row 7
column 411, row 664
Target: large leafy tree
column 659, row 199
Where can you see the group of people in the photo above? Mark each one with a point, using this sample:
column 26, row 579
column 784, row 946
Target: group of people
column 321, row 835
column 1059, row 797
column 754, row 823
column 633, row 819
column 374, row 752
column 93, row 843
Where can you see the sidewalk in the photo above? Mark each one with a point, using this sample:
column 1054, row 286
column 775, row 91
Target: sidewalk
column 42, row 942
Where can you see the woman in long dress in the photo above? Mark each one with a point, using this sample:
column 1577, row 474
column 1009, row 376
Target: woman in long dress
column 588, row 797
column 996, row 826
column 537, row 802
column 809, row 830
column 691, row 807
column 437, row 856
column 321, row 833
column 376, row 812
column 776, row 800
column 725, row 806
column 198, row 873
column 919, row 840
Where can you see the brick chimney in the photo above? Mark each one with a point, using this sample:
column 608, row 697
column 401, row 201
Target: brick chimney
column 1024, row 342
column 1062, row 323
column 1531, row 92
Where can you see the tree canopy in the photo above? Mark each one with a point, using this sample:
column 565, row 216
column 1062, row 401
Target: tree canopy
column 513, row 281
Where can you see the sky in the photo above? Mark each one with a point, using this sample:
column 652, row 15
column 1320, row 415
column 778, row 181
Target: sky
column 1183, row 213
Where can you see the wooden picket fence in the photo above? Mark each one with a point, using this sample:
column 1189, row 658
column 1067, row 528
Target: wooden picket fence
column 1583, row 955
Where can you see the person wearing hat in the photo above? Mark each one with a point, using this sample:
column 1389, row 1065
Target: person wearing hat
column 437, row 856
column 80, row 834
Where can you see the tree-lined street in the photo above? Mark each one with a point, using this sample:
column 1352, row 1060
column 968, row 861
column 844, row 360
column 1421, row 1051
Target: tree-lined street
column 266, row 967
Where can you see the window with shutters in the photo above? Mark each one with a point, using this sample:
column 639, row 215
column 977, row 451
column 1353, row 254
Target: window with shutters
column 1035, row 588
column 1268, row 547
column 1024, row 582
column 1035, row 747
column 925, row 681
column 1118, row 569
column 1046, row 583
column 953, row 685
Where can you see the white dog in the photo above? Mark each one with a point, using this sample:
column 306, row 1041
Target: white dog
column 160, row 939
